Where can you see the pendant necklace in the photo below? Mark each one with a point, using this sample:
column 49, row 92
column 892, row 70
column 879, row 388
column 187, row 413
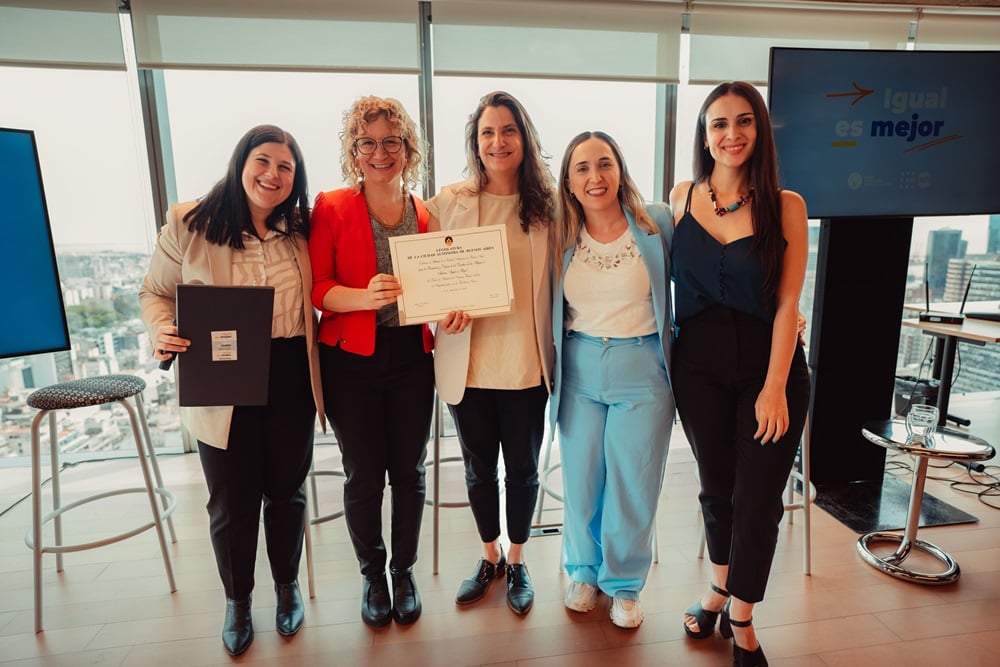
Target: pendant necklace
column 721, row 211
column 385, row 225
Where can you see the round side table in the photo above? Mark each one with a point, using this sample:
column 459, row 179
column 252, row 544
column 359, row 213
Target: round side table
column 946, row 444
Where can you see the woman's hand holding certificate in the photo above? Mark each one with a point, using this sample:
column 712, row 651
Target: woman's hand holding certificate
column 382, row 290
column 454, row 322
column 443, row 272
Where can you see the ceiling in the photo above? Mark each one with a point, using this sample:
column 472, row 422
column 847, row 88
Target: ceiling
column 927, row 3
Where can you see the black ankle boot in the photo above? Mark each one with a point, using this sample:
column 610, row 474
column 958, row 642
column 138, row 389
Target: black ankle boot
column 376, row 607
column 237, row 630
column 290, row 612
column 406, row 606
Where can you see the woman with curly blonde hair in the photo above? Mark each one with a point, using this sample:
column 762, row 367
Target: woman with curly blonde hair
column 378, row 376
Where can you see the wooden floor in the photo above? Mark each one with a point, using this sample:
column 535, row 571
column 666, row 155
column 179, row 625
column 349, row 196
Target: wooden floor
column 111, row 605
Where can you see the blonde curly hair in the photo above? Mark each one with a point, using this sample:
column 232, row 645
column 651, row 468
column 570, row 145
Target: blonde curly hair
column 356, row 119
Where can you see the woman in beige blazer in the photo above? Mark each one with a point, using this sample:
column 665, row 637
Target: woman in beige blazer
column 250, row 229
column 495, row 373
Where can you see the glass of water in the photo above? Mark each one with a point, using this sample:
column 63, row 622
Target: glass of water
column 921, row 421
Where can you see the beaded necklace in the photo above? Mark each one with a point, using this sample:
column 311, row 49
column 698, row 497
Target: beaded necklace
column 719, row 211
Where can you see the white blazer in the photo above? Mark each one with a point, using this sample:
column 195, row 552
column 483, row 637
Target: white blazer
column 183, row 256
column 458, row 207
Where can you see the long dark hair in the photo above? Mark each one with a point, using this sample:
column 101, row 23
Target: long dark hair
column 223, row 214
column 537, row 204
column 571, row 212
column 762, row 176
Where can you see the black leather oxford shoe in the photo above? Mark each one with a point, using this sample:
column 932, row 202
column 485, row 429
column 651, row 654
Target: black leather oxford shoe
column 290, row 612
column 237, row 631
column 520, row 592
column 475, row 587
column 406, row 606
column 376, row 607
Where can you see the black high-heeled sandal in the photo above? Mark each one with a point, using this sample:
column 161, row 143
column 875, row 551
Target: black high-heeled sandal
column 705, row 618
column 741, row 657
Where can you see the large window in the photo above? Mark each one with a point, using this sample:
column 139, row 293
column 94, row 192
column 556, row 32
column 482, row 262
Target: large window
column 209, row 111
column 944, row 250
column 93, row 169
column 560, row 110
column 94, row 166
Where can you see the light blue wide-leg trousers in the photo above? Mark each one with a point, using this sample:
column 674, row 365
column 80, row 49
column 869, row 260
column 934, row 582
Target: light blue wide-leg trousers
column 615, row 417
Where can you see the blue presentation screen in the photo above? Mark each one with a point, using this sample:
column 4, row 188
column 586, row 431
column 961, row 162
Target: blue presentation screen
column 33, row 317
column 887, row 133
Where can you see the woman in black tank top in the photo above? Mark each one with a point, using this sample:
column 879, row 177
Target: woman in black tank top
column 740, row 376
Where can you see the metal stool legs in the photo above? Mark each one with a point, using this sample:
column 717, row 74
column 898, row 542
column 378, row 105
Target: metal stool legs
column 150, row 470
column 892, row 564
column 547, row 468
column 313, row 518
column 808, row 493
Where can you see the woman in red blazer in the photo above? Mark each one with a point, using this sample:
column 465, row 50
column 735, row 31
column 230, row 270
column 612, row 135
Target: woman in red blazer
column 378, row 376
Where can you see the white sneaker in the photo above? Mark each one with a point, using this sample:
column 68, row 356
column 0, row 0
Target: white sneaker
column 580, row 596
column 626, row 613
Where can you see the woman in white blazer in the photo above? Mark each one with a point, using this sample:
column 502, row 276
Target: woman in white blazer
column 250, row 229
column 495, row 373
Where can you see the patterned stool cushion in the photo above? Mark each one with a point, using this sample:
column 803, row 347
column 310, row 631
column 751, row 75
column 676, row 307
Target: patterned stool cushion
column 88, row 391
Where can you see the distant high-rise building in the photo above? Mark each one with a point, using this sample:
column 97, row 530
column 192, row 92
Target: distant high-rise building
column 993, row 239
column 942, row 245
column 977, row 367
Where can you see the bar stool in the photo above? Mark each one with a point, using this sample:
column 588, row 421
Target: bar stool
column 77, row 394
column 313, row 517
column 799, row 481
column 547, row 468
column 436, row 460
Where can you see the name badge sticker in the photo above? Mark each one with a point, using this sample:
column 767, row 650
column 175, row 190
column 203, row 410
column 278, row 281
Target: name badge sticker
column 224, row 346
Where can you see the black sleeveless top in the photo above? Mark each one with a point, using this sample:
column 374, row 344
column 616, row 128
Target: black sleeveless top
column 707, row 273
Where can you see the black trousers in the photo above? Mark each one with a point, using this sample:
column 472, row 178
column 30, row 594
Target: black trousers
column 380, row 408
column 720, row 362
column 514, row 420
column 268, row 457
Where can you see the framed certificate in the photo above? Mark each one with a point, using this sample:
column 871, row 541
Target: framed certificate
column 458, row 269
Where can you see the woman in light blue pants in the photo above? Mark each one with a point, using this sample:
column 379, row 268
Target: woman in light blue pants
column 612, row 403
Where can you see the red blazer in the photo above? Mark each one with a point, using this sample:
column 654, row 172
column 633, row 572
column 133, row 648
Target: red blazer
column 342, row 252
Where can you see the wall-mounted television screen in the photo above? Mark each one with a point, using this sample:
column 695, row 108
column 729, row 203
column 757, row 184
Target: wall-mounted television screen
column 887, row 133
column 34, row 320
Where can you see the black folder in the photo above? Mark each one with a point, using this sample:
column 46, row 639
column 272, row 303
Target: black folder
column 230, row 353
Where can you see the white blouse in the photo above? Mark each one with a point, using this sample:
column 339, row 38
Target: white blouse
column 607, row 289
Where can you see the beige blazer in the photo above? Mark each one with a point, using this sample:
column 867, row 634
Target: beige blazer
column 458, row 207
column 183, row 256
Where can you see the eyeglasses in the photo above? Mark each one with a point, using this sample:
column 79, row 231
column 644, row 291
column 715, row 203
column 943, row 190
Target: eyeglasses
column 367, row 146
